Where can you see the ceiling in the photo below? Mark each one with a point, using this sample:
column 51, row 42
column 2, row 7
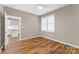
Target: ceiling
column 33, row 8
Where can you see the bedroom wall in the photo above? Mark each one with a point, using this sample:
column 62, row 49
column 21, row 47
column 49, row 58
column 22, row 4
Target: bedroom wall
column 66, row 25
column 1, row 18
column 30, row 22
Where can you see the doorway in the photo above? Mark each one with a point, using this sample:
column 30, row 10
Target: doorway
column 12, row 29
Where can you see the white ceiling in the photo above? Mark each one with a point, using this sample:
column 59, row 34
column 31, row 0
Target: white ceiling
column 33, row 8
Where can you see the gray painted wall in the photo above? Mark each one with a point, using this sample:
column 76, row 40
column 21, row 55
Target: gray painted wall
column 1, row 12
column 66, row 25
column 30, row 22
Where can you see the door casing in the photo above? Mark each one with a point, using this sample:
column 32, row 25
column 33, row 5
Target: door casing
column 5, row 26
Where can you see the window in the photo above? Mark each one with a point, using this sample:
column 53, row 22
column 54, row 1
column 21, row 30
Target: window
column 48, row 23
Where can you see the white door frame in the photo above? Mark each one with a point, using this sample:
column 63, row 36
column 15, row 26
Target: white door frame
column 18, row 18
column 13, row 17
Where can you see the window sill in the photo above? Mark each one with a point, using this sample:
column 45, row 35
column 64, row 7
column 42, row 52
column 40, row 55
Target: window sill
column 47, row 32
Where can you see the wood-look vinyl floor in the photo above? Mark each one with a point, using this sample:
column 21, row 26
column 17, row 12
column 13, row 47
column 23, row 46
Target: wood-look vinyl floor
column 39, row 45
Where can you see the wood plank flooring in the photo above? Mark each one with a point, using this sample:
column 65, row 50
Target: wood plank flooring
column 39, row 45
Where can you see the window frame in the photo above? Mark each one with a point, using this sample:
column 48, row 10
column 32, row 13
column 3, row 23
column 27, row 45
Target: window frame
column 48, row 24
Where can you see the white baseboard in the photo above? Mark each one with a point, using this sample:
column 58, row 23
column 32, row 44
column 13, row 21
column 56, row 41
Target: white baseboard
column 60, row 42
column 31, row 37
column 53, row 40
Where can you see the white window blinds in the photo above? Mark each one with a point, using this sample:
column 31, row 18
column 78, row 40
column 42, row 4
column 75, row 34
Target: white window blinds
column 48, row 23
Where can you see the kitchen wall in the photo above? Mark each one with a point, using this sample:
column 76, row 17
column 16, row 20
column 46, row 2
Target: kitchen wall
column 30, row 22
column 13, row 27
column 66, row 25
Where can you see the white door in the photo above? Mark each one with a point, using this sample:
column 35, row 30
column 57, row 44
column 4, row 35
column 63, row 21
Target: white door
column 6, row 32
column 6, row 28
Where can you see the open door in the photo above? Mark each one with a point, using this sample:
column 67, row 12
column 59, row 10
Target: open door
column 8, row 17
column 6, row 38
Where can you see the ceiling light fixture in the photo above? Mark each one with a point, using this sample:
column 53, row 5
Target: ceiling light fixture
column 40, row 7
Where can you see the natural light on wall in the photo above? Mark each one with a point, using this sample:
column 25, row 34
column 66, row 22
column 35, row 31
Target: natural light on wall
column 48, row 23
